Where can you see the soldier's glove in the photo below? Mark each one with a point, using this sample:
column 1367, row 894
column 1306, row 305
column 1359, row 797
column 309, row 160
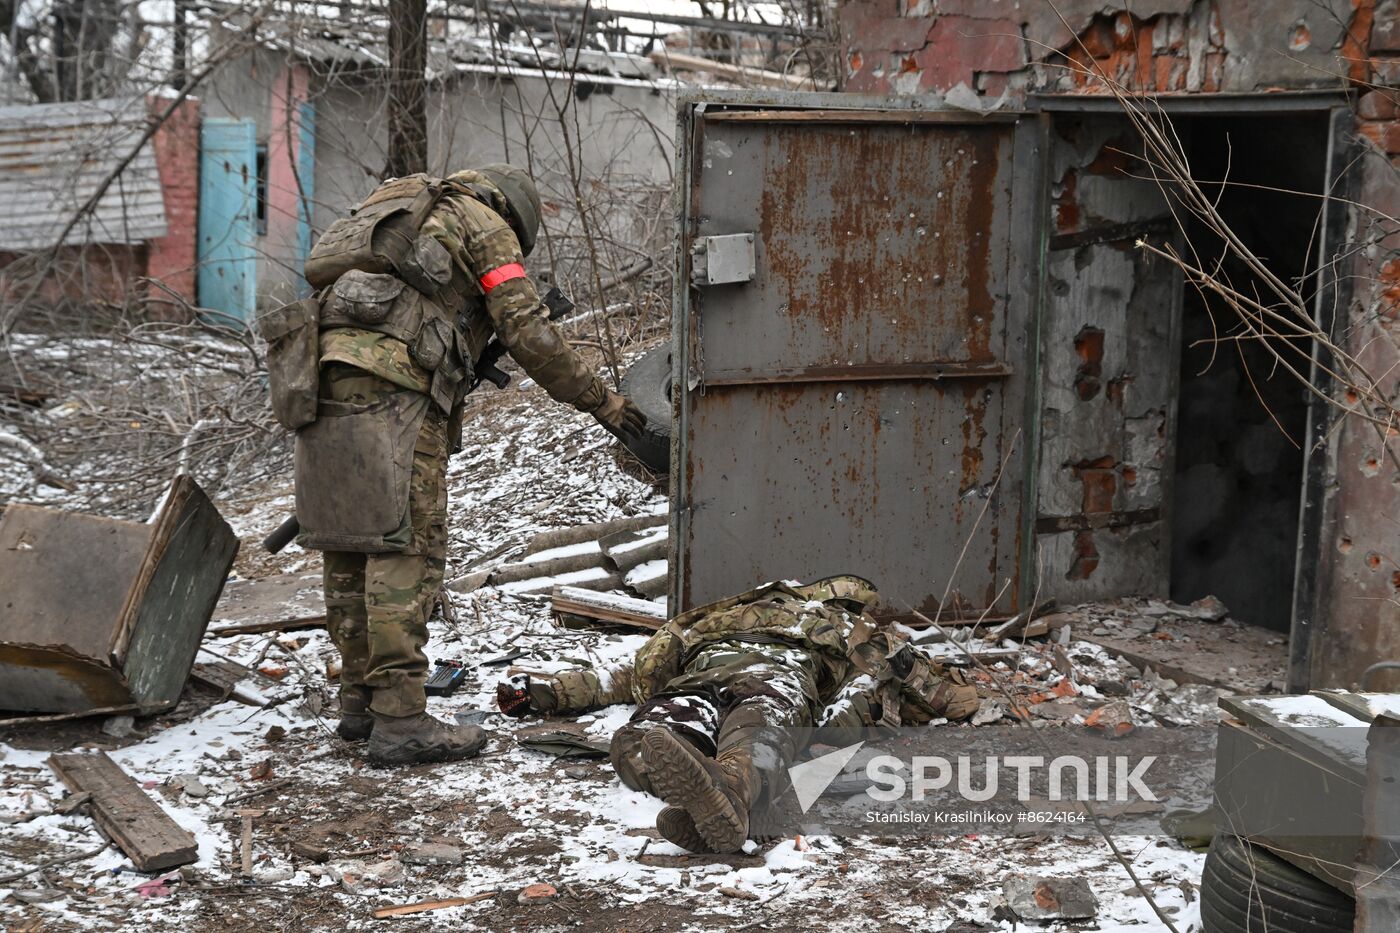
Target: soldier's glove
column 513, row 696
column 620, row 417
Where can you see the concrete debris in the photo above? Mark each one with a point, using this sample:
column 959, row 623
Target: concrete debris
column 119, row 727
column 190, row 785
column 362, row 877
column 432, row 853
column 1041, row 898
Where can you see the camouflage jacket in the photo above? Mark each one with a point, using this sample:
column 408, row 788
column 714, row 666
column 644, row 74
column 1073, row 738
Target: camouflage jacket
column 867, row 672
column 480, row 241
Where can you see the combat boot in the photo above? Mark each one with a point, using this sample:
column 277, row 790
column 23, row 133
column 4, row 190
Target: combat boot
column 420, row 739
column 716, row 794
column 355, row 721
column 676, row 826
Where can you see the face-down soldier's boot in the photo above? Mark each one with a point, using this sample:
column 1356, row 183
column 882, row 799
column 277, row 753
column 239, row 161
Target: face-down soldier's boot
column 355, row 721
column 715, row 794
column 420, row 739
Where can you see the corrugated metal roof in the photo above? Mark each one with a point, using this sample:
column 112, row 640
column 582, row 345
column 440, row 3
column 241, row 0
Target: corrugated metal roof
column 52, row 158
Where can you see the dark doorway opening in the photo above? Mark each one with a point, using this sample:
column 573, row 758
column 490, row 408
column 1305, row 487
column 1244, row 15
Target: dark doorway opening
column 1241, row 417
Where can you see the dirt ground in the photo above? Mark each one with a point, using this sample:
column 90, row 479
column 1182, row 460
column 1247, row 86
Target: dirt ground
column 326, row 820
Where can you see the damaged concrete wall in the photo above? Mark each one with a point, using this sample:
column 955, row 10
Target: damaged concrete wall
column 1107, row 364
column 1010, row 47
column 1357, row 617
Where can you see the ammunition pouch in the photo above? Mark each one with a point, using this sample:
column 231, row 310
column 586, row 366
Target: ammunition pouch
column 293, row 360
column 354, row 467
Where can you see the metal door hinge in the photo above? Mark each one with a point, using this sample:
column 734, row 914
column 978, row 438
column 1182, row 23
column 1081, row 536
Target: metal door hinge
column 722, row 260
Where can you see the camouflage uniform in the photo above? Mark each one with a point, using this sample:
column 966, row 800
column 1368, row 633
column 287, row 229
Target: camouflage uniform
column 735, row 679
column 377, row 605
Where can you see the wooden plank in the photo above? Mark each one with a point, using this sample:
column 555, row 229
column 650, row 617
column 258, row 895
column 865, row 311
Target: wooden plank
column 169, row 606
column 1366, row 706
column 261, row 628
column 610, row 609
column 403, row 910
column 126, row 813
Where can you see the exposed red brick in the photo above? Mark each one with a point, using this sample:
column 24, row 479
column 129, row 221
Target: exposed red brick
column 1384, row 133
column 1378, row 105
column 1084, row 559
column 1385, row 30
column 172, row 258
column 1088, row 344
column 1356, row 46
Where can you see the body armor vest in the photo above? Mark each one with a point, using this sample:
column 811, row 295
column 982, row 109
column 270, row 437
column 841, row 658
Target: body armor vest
column 378, row 272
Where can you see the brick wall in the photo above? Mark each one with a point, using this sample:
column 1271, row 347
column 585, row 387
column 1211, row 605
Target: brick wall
column 991, row 48
column 79, row 275
column 172, row 258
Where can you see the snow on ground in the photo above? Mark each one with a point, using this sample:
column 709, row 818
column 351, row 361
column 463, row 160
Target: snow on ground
column 516, row 816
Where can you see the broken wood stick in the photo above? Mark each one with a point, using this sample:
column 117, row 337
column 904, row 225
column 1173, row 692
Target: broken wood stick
column 586, row 606
column 403, row 910
column 245, row 848
column 261, row 628
column 61, row 717
column 125, row 812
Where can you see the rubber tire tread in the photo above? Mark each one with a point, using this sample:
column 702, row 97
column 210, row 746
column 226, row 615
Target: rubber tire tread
column 646, row 384
column 1247, row 889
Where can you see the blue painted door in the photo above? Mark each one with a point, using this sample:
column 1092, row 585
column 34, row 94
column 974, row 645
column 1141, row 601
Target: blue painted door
column 306, row 179
column 228, row 175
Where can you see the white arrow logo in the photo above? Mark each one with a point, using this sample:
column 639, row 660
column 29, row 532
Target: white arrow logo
column 811, row 778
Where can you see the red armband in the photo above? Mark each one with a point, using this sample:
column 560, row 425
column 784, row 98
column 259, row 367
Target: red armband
column 502, row 274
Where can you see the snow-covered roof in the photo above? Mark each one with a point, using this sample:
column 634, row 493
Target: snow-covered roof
column 53, row 157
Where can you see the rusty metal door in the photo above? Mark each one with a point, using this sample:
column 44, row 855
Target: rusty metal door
column 856, row 281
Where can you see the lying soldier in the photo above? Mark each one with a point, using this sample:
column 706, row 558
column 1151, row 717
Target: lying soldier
column 722, row 688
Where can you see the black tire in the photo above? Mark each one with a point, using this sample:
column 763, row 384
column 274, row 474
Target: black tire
column 1247, row 889
column 648, row 385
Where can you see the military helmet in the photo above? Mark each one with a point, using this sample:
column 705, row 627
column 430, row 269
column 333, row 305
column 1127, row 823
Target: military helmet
column 522, row 198
column 852, row 592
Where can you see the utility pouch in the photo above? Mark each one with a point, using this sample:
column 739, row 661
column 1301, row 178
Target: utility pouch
column 427, row 265
column 367, row 297
column 293, row 360
column 434, row 340
column 354, row 467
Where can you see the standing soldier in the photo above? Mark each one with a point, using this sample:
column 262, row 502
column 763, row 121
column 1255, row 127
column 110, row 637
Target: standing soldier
column 372, row 372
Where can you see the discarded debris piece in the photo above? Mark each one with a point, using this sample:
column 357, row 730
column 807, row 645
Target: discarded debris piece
column 119, row 727
column 261, row 628
column 562, row 742
column 157, row 887
column 363, row 877
column 190, row 785
column 100, row 612
column 629, row 549
column 135, row 822
column 1041, row 898
column 738, row 893
column 574, row 607
column 404, row 910
column 512, row 655
column 309, row 851
column 536, row 892
column 577, row 534
column 1114, row 720
column 432, row 853
column 245, row 847
column 446, row 678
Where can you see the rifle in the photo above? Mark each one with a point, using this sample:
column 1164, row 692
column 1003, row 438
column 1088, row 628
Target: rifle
column 484, row 369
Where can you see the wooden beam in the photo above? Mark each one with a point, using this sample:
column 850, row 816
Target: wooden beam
column 609, row 609
column 125, row 812
column 260, row 628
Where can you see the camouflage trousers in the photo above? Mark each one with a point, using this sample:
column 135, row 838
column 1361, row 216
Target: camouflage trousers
column 736, row 700
column 377, row 605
